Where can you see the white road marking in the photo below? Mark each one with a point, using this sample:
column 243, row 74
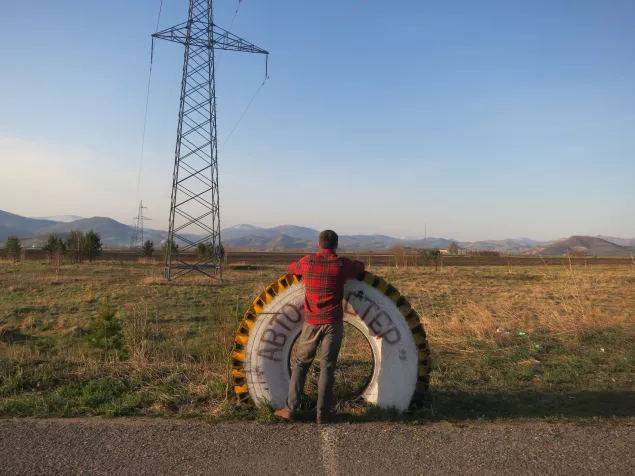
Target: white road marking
column 329, row 450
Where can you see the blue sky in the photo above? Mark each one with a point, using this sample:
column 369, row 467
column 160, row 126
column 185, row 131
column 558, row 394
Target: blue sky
column 481, row 119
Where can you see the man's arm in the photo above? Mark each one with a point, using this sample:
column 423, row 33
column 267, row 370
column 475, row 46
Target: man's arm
column 353, row 268
column 295, row 267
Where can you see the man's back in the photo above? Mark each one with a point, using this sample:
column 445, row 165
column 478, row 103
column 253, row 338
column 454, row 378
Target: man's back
column 324, row 276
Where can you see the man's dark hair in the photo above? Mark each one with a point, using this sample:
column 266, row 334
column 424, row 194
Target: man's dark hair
column 328, row 240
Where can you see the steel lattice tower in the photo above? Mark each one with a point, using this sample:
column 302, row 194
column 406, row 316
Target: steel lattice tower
column 194, row 208
column 137, row 236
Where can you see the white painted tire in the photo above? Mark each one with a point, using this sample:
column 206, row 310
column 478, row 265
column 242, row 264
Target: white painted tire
column 391, row 327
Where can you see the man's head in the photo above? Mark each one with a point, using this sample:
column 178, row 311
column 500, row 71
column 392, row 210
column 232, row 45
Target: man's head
column 328, row 240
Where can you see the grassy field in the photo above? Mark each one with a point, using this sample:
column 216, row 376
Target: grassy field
column 114, row 339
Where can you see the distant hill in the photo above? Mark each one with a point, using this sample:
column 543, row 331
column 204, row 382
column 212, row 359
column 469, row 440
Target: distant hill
column 513, row 245
column 441, row 243
column 61, row 218
column 590, row 245
column 239, row 231
column 242, row 228
column 111, row 231
column 297, row 232
column 263, row 242
column 619, row 241
column 34, row 231
column 22, row 227
column 299, row 237
column 365, row 242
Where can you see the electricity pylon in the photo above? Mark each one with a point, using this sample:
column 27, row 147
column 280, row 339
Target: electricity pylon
column 137, row 236
column 194, row 207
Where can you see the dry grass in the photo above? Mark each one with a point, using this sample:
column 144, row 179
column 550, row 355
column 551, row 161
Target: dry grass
column 464, row 302
column 579, row 324
column 154, row 280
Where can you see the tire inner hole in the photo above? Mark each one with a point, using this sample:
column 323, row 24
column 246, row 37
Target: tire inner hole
column 353, row 373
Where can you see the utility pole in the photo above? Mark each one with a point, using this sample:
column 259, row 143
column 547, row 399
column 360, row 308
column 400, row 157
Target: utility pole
column 194, row 207
column 137, row 236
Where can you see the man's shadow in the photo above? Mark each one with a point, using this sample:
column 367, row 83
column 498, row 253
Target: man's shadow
column 470, row 406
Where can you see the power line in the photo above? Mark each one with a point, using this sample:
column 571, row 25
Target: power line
column 244, row 112
column 220, row 53
column 334, row 25
column 234, row 18
column 145, row 116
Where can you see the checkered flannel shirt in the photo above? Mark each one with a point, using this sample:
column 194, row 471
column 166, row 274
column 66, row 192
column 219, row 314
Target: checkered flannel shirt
column 324, row 276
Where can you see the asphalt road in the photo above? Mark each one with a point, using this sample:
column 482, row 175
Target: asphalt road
column 157, row 447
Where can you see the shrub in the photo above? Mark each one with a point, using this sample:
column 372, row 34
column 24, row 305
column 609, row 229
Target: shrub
column 54, row 245
column 164, row 249
column 92, row 246
column 13, row 248
column 148, row 248
column 106, row 331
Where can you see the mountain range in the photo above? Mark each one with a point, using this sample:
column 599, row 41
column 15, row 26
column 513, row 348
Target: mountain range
column 62, row 218
column 298, row 237
column 589, row 245
column 34, row 231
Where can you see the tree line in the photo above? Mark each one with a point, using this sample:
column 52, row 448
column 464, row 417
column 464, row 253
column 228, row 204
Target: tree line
column 415, row 257
column 77, row 246
column 202, row 250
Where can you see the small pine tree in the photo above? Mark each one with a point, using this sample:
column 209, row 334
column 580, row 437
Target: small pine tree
column 220, row 251
column 93, row 245
column 164, row 249
column 207, row 250
column 202, row 251
column 398, row 253
column 425, row 257
column 53, row 245
column 13, row 248
column 148, row 249
column 75, row 245
column 107, row 331
column 437, row 258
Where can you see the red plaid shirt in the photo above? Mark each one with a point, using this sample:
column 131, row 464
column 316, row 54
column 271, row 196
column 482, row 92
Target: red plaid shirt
column 324, row 276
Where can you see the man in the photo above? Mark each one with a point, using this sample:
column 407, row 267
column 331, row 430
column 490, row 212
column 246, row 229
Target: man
column 324, row 276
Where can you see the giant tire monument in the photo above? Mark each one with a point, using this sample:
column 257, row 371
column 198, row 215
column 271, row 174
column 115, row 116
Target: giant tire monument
column 260, row 357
